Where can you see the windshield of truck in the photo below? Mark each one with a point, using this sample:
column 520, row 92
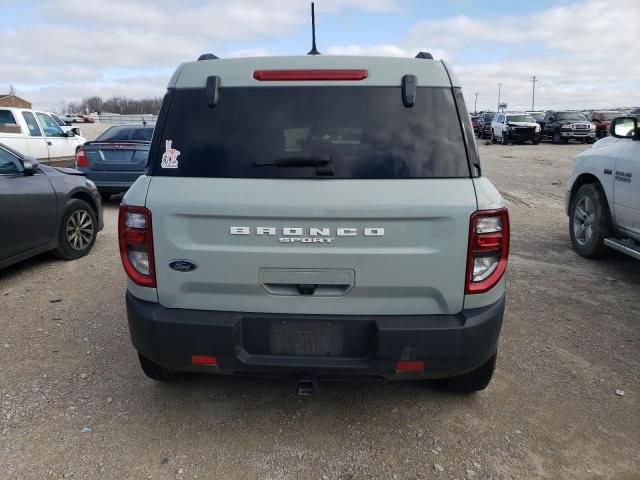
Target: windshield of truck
column 571, row 117
column 520, row 118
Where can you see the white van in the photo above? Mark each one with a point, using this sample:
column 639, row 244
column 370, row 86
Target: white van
column 36, row 134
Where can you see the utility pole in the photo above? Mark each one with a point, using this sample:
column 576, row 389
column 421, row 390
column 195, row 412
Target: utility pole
column 533, row 93
column 12, row 91
column 475, row 105
column 499, row 89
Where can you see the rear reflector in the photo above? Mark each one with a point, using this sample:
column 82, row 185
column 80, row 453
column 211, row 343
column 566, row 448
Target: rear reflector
column 203, row 360
column 308, row 75
column 410, row 366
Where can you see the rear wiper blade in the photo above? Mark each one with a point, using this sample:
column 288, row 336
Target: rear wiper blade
column 323, row 163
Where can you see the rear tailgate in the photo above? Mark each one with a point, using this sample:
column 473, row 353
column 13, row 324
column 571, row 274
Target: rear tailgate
column 416, row 267
column 117, row 156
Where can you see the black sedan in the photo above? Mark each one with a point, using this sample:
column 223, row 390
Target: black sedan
column 44, row 209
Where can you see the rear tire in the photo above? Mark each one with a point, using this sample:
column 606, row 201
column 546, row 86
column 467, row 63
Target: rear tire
column 493, row 138
column 78, row 231
column 589, row 221
column 159, row 373
column 472, row 381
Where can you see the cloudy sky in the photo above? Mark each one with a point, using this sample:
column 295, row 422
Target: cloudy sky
column 585, row 53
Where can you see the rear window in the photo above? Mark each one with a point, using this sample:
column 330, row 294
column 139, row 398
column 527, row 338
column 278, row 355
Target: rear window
column 520, row 118
column 118, row 134
column 365, row 132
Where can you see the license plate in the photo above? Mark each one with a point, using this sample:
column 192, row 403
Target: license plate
column 306, row 338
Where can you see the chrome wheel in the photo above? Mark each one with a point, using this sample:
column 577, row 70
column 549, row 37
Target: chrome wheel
column 79, row 230
column 584, row 219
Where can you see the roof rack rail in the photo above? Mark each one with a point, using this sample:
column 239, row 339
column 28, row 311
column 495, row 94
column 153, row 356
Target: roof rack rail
column 207, row 56
column 424, row 55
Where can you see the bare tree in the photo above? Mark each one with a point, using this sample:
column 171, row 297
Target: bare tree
column 120, row 105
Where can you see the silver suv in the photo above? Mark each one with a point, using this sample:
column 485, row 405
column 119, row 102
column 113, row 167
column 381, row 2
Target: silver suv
column 315, row 217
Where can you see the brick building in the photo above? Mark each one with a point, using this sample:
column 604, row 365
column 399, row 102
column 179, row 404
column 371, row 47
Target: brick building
column 8, row 100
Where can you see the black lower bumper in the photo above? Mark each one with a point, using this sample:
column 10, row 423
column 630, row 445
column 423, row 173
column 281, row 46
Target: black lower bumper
column 322, row 345
column 524, row 135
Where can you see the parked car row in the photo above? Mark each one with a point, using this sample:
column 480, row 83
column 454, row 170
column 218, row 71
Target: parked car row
column 557, row 126
column 70, row 118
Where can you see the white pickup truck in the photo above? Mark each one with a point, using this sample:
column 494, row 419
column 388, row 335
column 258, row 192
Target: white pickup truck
column 603, row 194
column 36, row 134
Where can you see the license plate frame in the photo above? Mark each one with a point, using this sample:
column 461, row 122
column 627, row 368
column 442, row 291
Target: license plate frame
column 308, row 338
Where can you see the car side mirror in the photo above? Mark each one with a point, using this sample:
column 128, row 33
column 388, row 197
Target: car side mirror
column 30, row 165
column 624, row 127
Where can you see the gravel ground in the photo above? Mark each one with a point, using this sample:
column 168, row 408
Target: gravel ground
column 74, row 403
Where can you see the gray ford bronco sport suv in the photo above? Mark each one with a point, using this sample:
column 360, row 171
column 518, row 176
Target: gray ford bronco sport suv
column 315, row 217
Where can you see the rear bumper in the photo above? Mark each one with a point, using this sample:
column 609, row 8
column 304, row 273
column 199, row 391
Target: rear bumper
column 369, row 346
column 524, row 136
column 112, row 181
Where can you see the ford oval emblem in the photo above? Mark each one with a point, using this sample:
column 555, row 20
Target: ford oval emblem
column 183, row 265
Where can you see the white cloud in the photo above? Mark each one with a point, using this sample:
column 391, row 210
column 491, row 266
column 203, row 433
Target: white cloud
column 373, row 50
column 72, row 42
column 584, row 52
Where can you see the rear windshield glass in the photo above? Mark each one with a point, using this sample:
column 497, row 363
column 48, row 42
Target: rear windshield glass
column 115, row 134
column 608, row 115
column 571, row 116
column 520, row 118
column 355, row 132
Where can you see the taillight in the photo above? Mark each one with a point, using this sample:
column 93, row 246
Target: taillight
column 308, row 75
column 135, row 236
column 81, row 158
column 488, row 249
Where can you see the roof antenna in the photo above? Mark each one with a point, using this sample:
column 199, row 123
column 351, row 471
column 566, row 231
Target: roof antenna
column 314, row 50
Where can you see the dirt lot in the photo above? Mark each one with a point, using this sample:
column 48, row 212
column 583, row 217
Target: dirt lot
column 74, row 404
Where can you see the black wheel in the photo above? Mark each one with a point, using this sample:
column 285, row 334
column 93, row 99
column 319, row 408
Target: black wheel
column 472, row 381
column 536, row 142
column 557, row 138
column 589, row 221
column 505, row 138
column 159, row 373
column 493, row 138
column 105, row 196
column 78, row 230
column 591, row 140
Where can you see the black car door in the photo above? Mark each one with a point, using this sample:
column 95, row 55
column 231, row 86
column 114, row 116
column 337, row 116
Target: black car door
column 28, row 208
